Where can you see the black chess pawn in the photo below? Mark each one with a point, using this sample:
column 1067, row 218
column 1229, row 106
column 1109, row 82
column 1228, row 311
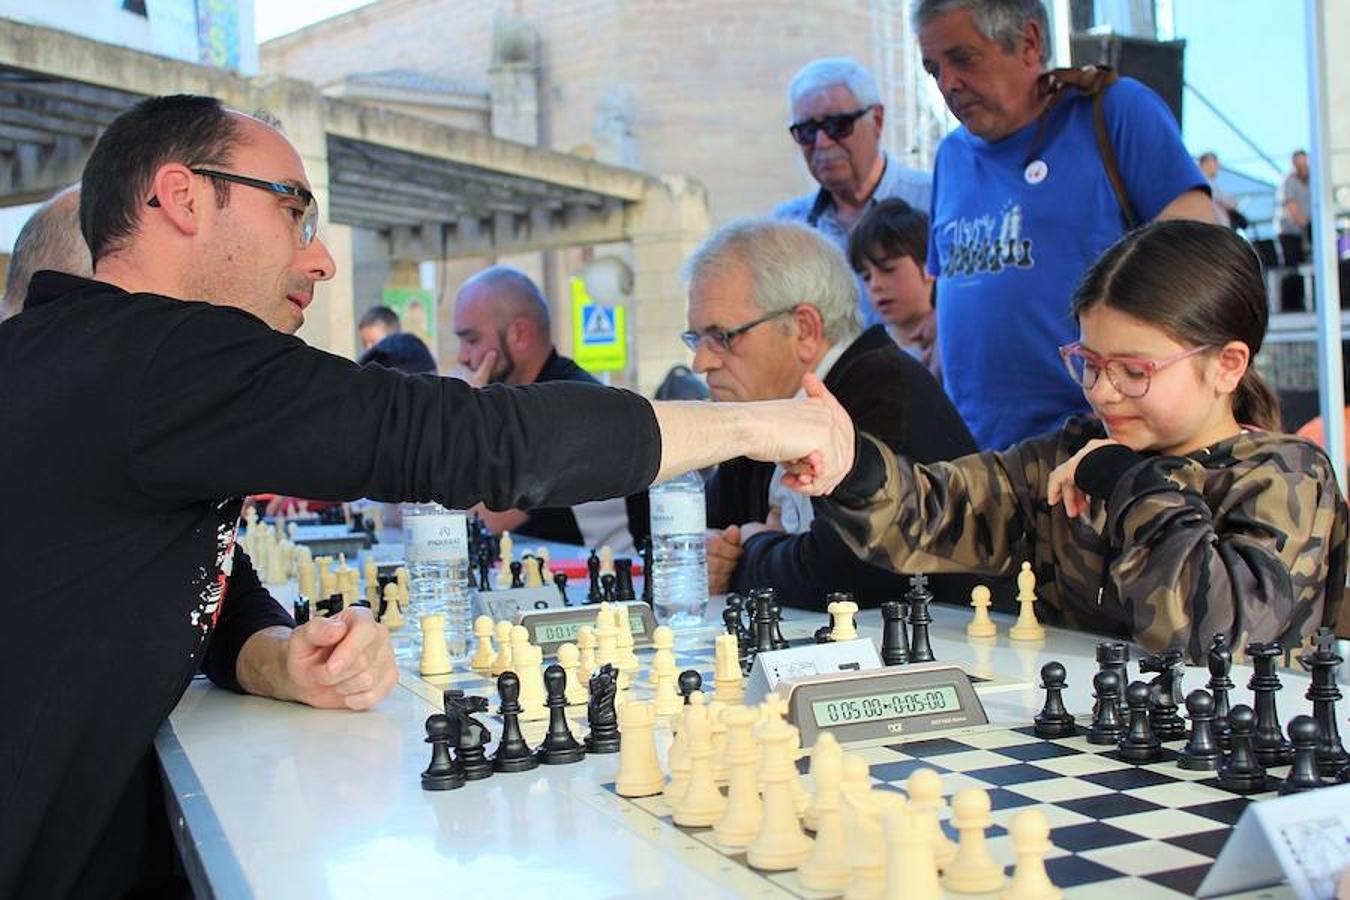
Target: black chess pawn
column 918, row 598
column 1054, row 721
column 607, row 587
column 538, row 563
column 894, row 636
column 1139, row 744
column 601, row 716
column 1271, row 747
column 1106, row 727
column 443, row 774
column 560, row 582
column 1305, row 736
column 1202, row 752
column 485, row 567
column 301, row 608
column 593, row 594
column 517, row 567
column 1323, row 692
column 623, row 581
column 558, row 747
column 775, row 618
column 513, row 754
column 689, row 681
column 1220, row 662
column 1242, row 772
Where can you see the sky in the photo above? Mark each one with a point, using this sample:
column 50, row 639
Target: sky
column 273, row 18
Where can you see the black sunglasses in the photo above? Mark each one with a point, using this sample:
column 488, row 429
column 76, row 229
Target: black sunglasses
column 309, row 220
column 836, row 127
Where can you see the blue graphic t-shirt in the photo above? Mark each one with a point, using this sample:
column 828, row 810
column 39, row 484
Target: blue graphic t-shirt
column 1012, row 237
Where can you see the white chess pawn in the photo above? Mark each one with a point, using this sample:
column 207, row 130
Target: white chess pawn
column 827, row 868
column 606, row 560
column 740, row 824
column 911, row 873
column 435, row 653
column 606, row 640
column 862, row 809
column 532, row 576
column 569, row 657
column 981, row 626
column 1030, row 833
column 925, row 802
column 826, row 745
column 666, row 698
column 663, row 640
column 483, row 651
column 974, row 870
column 586, row 647
column 371, row 574
column 393, row 616
column 701, row 804
column 639, row 771
column 502, row 662
column 507, row 557
column 1026, row 628
column 625, row 658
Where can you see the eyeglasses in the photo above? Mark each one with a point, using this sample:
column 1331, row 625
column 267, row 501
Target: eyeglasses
column 837, row 127
column 1128, row 375
column 719, row 339
column 309, row 218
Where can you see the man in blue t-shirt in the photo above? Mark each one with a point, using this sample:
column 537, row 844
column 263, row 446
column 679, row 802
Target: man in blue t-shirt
column 1022, row 205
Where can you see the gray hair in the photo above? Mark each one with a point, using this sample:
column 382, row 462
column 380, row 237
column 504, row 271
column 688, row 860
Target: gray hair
column 50, row 239
column 998, row 20
column 513, row 294
column 788, row 264
column 823, row 74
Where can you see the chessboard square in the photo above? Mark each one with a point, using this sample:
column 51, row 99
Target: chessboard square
column 1080, row 764
column 954, row 783
column 1129, row 779
column 1124, row 886
column 1058, row 816
column 1206, row 843
column 1090, row 835
column 1165, row 756
column 1163, row 823
column 1018, row 773
column 898, row 772
column 874, row 755
column 1082, row 745
column 1108, row 806
column 1227, row 810
column 1074, row 871
column 969, row 761
column 990, row 834
column 1000, row 846
column 930, row 747
column 1000, row 739
column 1000, row 798
column 1181, row 794
column 1187, row 880
column 1053, row 790
column 1037, row 752
column 1145, row 857
column 1171, row 768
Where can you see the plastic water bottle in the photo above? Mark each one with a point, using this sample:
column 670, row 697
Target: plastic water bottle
column 679, row 559
column 436, row 547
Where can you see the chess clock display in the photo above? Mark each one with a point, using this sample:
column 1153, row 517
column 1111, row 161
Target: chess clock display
column 891, row 704
column 553, row 627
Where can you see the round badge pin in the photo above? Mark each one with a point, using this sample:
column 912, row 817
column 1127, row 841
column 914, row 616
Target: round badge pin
column 1035, row 171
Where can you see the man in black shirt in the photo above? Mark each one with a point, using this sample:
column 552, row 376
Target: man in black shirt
column 505, row 334
column 768, row 302
column 135, row 421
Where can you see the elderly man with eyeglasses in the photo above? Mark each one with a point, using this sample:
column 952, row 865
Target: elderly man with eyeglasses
column 770, row 301
column 837, row 121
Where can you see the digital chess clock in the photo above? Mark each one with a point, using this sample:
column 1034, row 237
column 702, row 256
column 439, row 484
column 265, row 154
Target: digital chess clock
column 884, row 705
column 551, row 628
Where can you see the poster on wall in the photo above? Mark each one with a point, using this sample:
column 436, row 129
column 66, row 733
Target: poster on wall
column 416, row 308
column 218, row 33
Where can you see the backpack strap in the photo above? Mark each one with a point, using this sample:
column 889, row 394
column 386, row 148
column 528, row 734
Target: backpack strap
column 1091, row 82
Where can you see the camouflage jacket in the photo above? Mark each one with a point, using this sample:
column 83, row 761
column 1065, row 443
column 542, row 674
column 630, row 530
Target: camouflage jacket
column 1244, row 538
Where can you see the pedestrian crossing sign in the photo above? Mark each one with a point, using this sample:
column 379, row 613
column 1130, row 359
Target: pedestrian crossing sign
column 599, row 336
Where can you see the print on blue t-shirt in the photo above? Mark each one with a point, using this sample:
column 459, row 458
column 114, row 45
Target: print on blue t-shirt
column 1010, row 243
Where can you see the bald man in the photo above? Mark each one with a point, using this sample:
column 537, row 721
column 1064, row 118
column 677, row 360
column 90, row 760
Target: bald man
column 505, row 337
column 50, row 239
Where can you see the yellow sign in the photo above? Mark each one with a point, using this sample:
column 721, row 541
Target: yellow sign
column 599, row 333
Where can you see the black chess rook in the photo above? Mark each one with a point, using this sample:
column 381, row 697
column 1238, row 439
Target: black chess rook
column 894, row 637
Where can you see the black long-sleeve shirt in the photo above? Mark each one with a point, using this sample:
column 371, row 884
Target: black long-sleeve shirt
column 891, row 396
column 131, row 426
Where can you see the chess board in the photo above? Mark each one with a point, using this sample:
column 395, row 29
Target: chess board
column 1119, row 829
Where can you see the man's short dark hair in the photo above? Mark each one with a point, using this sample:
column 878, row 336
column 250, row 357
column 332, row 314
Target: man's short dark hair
column 183, row 128
column 402, row 351
column 888, row 230
column 379, row 315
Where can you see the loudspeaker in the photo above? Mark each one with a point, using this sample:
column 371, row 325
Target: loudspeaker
column 1157, row 64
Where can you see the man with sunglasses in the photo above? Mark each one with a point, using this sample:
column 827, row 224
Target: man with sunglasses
column 768, row 302
column 139, row 407
column 837, row 120
column 1023, row 203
